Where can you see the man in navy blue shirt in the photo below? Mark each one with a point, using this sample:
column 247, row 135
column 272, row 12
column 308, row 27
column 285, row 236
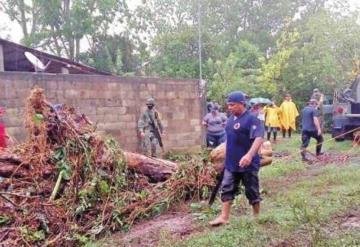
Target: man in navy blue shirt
column 244, row 136
column 311, row 127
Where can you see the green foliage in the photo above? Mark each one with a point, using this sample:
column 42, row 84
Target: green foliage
column 121, row 168
column 239, row 71
column 31, row 235
column 272, row 70
column 59, row 25
column 4, row 220
column 264, row 49
column 60, row 159
column 112, row 53
column 176, row 53
column 301, row 206
column 38, row 118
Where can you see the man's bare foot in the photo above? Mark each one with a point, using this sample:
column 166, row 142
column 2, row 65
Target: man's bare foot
column 218, row 221
column 256, row 210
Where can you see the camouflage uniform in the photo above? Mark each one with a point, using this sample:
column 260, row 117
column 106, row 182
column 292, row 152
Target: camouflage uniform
column 145, row 126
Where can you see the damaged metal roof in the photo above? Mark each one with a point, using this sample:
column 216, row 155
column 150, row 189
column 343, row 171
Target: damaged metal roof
column 15, row 60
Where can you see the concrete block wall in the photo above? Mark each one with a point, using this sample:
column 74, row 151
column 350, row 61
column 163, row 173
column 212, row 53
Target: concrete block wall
column 114, row 103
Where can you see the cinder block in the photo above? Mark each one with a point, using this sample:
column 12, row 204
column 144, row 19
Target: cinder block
column 195, row 122
column 144, row 95
column 170, row 95
column 114, row 102
column 127, row 118
column 111, row 126
column 179, row 116
column 72, row 93
column 130, row 103
column 110, row 118
column 151, row 87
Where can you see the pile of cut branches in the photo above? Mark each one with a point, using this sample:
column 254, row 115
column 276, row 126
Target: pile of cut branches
column 67, row 184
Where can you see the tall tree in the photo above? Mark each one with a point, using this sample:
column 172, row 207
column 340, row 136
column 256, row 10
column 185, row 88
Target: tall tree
column 26, row 14
column 115, row 54
column 60, row 25
column 176, row 53
column 240, row 70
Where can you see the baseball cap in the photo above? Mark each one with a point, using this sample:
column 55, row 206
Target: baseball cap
column 236, row 97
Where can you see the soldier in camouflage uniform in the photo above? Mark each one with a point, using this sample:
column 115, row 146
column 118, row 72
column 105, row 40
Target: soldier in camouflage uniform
column 146, row 128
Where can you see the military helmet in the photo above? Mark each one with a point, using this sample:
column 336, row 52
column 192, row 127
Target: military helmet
column 150, row 101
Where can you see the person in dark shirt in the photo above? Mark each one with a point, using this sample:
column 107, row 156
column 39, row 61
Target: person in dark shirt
column 244, row 136
column 215, row 127
column 311, row 127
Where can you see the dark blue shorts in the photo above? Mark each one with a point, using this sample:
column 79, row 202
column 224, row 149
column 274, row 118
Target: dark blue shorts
column 230, row 186
column 214, row 140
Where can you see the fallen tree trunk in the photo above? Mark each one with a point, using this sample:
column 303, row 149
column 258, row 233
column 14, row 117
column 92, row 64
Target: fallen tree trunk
column 8, row 157
column 156, row 169
column 8, row 169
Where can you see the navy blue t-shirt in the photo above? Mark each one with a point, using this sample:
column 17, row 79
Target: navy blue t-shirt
column 241, row 132
column 307, row 118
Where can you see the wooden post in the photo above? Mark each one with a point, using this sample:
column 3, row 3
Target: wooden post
column 2, row 66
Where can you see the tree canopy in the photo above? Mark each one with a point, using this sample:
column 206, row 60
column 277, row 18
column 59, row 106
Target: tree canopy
column 265, row 48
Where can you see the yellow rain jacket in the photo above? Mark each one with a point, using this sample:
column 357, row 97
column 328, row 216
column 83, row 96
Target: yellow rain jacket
column 272, row 116
column 289, row 113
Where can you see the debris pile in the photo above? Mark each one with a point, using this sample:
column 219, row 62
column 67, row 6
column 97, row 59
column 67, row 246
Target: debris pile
column 67, row 184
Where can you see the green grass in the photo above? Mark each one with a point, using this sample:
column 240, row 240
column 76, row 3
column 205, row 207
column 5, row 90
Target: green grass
column 298, row 207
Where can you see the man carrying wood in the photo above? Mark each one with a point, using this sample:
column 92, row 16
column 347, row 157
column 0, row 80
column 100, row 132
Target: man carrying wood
column 244, row 133
column 311, row 128
column 150, row 129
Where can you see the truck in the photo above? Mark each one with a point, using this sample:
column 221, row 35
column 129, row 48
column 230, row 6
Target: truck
column 346, row 111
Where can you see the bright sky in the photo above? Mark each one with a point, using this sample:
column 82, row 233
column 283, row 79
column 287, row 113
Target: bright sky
column 12, row 30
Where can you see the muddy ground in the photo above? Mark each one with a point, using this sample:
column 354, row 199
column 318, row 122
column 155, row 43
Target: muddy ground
column 180, row 223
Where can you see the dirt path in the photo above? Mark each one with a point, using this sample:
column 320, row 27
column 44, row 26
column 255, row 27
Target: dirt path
column 180, row 224
column 148, row 233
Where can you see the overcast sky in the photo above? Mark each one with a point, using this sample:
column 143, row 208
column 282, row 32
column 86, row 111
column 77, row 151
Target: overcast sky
column 13, row 31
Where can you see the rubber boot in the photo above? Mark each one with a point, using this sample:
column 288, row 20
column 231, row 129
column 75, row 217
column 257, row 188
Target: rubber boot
column 268, row 135
column 223, row 218
column 303, row 155
column 289, row 133
column 275, row 134
column 153, row 151
column 318, row 150
column 284, row 133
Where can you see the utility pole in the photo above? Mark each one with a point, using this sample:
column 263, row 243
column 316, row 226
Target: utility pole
column 200, row 47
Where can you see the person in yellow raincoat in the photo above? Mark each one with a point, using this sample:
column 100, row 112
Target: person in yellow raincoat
column 289, row 113
column 272, row 120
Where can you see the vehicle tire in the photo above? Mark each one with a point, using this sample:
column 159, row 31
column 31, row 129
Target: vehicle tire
column 337, row 134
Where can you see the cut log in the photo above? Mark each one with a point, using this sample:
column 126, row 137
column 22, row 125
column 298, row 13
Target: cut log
column 217, row 156
column 9, row 157
column 8, row 169
column 156, row 169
